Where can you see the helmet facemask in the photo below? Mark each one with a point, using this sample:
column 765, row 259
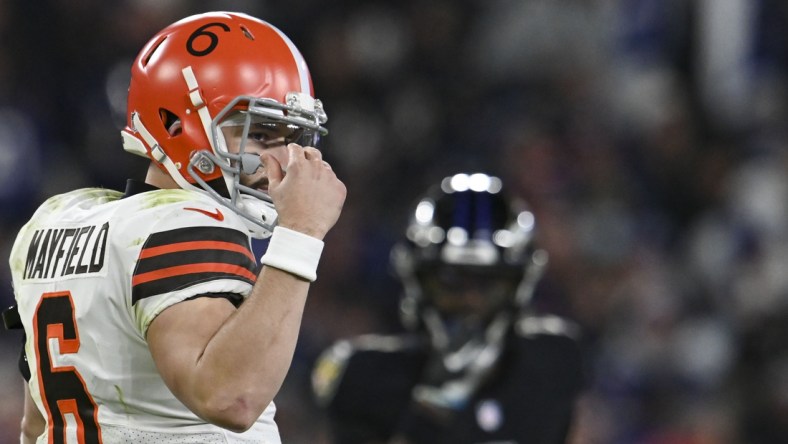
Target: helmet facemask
column 299, row 121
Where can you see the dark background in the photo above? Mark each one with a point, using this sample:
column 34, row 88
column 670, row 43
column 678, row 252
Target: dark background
column 648, row 136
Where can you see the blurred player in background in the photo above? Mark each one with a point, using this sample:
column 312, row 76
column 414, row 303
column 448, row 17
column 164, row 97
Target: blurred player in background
column 477, row 365
column 146, row 316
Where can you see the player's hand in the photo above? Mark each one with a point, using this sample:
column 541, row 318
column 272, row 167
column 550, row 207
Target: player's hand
column 309, row 196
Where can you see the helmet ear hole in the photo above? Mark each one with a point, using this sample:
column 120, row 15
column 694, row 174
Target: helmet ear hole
column 171, row 122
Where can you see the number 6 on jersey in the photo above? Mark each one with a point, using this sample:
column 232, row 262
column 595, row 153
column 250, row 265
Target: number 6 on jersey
column 62, row 388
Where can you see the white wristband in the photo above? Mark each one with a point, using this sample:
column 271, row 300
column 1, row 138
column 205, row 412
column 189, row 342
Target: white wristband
column 293, row 252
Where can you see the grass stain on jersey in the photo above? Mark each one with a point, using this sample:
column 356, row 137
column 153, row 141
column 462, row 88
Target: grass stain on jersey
column 97, row 195
column 122, row 401
column 164, row 197
column 16, row 262
column 18, row 266
column 104, row 195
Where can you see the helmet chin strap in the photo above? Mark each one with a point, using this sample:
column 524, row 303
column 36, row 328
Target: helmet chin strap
column 261, row 211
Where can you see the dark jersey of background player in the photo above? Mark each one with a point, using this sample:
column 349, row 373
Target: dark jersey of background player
column 478, row 365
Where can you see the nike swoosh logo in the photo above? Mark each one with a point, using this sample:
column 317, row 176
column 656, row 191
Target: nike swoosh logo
column 216, row 215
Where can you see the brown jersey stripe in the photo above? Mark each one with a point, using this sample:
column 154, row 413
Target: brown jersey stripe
column 189, row 257
column 175, row 259
column 189, row 234
column 192, row 245
column 192, row 269
column 148, row 252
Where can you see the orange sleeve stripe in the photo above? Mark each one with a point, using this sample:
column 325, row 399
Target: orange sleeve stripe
column 196, row 245
column 180, row 270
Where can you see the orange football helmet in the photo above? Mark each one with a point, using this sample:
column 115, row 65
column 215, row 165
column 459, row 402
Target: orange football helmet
column 197, row 72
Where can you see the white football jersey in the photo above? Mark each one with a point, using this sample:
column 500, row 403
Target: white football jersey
column 91, row 270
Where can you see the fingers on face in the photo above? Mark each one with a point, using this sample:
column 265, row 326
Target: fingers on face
column 293, row 151
column 312, row 153
column 309, row 153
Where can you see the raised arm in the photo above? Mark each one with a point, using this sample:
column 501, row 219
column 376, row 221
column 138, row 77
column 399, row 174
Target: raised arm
column 227, row 365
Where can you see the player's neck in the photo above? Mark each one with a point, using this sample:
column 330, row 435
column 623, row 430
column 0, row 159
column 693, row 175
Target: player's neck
column 159, row 178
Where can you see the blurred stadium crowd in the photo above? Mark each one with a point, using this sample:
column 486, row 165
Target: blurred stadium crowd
column 648, row 136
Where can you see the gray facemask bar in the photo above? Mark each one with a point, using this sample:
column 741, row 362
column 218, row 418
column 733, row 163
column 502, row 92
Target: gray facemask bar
column 291, row 113
column 202, row 156
column 205, row 161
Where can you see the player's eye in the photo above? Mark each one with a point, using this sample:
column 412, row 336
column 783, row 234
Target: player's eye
column 266, row 136
column 259, row 136
column 274, row 134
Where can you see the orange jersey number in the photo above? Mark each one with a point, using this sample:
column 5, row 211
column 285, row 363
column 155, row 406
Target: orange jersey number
column 63, row 390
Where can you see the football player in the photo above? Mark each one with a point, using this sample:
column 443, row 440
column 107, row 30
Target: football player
column 476, row 364
column 145, row 317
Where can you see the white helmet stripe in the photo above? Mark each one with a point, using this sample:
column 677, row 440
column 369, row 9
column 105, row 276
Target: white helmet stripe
column 197, row 101
column 188, row 75
column 303, row 71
